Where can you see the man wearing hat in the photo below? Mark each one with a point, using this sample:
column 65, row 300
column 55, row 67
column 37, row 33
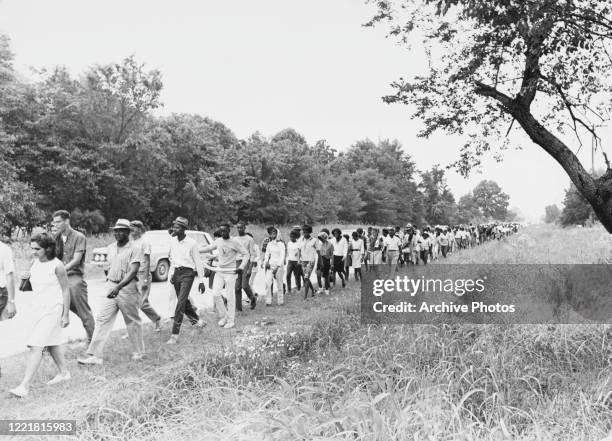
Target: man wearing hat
column 124, row 263
column 144, row 272
column 185, row 264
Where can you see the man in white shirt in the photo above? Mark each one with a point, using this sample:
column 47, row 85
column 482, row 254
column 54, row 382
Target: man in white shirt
column 340, row 252
column 185, row 265
column 274, row 260
column 391, row 247
column 230, row 250
column 7, row 282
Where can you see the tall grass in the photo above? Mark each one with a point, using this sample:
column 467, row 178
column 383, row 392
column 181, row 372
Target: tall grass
column 335, row 379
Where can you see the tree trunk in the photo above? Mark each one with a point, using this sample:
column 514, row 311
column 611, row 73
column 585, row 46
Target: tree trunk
column 598, row 192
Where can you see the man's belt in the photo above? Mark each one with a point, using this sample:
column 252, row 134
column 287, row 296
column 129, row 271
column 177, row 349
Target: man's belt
column 180, row 268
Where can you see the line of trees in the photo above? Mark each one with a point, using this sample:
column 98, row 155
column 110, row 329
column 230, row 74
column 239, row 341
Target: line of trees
column 91, row 145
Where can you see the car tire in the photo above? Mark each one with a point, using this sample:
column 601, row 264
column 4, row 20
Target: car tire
column 161, row 271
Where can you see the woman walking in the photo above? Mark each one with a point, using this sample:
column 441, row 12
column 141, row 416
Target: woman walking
column 357, row 251
column 375, row 248
column 50, row 286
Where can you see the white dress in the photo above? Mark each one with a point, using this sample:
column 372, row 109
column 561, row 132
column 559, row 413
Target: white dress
column 48, row 306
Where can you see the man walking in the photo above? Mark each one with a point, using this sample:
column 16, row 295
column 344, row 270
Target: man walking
column 242, row 282
column 124, row 262
column 308, row 258
column 185, row 262
column 144, row 272
column 74, row 246
column 273, row 263
column 230, row 251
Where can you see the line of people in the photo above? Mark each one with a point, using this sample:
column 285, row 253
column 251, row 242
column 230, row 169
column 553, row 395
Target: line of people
column 57, row 276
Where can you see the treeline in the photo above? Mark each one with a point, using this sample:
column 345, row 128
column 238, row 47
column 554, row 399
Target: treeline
column 90, row 145
column 576, row 210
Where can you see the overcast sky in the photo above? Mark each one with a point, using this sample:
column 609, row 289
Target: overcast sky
column 267, row 65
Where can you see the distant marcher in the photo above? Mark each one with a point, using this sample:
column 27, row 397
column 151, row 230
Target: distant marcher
column 242, row 282
column 444, row 242
column 255, row 258
column 185, row 266
column 74, row 246
column 293, row 261
column 144, row 272
column 319, row 263
column 391, row 247
column 326, row 254
column 274, row 260
column 358, row 251
column 424, row 244
column 348, row 259
column 230, row 250
column 385, row 235
column 308, row 256
column 340, row 251
column 50, row 311
column 375, row 247
column 124, row 263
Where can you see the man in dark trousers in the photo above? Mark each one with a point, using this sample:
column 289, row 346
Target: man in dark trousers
column 74, row 245
column 242, row 282
column 185, row 264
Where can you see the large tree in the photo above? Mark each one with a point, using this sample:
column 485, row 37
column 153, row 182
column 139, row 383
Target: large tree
column 491, row 200
column 542, row 65
column 437, row 197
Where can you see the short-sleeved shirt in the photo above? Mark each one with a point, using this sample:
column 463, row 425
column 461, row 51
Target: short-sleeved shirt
column 145, row 250
column 308, row 250
column 7, row 263
column 75, row 242
column 393, row 243
column 293, row 250
column 120, row 261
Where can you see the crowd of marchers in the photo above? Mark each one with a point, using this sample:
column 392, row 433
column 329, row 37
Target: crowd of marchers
column 230, row 264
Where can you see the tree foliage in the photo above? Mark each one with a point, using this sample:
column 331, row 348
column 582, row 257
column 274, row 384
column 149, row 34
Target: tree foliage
column 90, row 144
column 551, row 214
column 576, row 210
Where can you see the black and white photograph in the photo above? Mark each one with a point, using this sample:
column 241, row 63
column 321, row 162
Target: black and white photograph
column 365, row 220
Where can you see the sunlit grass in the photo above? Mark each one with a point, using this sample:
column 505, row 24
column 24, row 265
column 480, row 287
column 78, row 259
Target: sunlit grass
column 333, row 379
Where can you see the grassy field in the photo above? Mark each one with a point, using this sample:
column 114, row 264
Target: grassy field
column 311, row 371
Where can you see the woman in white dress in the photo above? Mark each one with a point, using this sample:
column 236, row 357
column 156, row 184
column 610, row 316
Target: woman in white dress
column 357, row 248
column 52, row 306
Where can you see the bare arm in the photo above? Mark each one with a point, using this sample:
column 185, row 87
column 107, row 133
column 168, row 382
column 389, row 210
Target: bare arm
column 78, row 255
